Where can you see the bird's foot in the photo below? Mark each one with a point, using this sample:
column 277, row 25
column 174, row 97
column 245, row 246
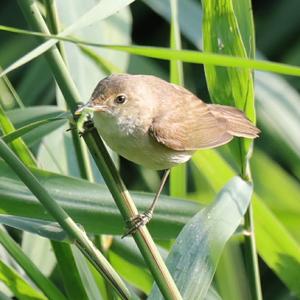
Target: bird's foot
column 134, row 223
column 87, row 126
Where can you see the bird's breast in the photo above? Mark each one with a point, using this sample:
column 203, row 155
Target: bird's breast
column 130, row 138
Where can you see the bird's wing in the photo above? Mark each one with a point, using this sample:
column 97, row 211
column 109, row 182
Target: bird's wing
column 190, row 126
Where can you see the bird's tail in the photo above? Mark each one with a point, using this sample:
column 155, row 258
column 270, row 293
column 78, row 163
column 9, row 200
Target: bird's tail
column 237, row 123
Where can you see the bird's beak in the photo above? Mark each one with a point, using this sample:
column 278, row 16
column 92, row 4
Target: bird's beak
column 94, row 107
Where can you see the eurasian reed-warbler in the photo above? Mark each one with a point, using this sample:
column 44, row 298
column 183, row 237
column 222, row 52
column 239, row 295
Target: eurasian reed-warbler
column 158, row 125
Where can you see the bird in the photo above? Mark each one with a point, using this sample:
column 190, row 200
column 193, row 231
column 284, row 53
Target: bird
column 159, row 125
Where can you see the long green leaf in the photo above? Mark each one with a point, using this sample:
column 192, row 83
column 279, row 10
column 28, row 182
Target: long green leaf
column 18, row 285
column 217, row 172
column 229, row 86
column 29, row 267
column 286, row 206
column 18, row 145
column 277, row 101
column 28, row 128
column 196, row 252
column 67, row 265
column 47, row 229
column 74, row 231
column 178, row 173
column 89, row 204
column 100, row 11
column 225, row 24
column 183, row 55
column 23, row 117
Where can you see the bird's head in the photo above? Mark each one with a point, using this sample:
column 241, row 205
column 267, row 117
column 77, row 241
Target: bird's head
column 119, row 95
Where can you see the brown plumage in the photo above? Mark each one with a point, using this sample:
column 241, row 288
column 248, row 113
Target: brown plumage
column 161, row 124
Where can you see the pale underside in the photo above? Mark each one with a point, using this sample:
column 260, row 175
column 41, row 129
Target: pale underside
column 170, row 131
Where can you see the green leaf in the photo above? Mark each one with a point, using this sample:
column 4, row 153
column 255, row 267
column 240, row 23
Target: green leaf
column 86, row 275
column 178, row 173
column 37, row 248
column 32, row 117
column 137, row 276
column 26, row 129
column 66, row 222
column 183, row 55
column 100, row 11
column 24, row 116
column 278, row 112
column 196, row 252
column 276, row 100
column 281, row 243
column 285, row 205
column 276, row 246
column 30, row 268
column 18, row 285
column 18, row 146
column 89, row 204
column 66, row 261
column 229, row 86
column 47, row 229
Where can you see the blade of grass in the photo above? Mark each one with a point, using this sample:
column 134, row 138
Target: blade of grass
column 47, row 229
column 18, row 285
column 234, row 86
column 102, row 10
column 281, row 253
column 188, row 56
column 18, row 145
column 8, row 138
column 178, row 173
column 286, row 206
column 194, row 257
column 90, row 204
column 75, row 233
column 66, row 261
column 46, row 286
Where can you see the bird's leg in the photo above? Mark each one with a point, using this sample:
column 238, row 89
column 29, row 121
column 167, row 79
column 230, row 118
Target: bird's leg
column 142, row 219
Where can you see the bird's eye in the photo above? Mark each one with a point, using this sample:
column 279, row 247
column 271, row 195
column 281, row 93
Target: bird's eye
column 120, row 99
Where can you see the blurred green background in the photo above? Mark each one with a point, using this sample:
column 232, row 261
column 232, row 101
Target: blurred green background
column 276, row 160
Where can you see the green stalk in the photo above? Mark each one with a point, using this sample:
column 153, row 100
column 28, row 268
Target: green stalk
column 72, row 229
column 249, row 242
column 62, row 77
column 53, row 23
column 251, row 255
column 46, row 286
column 249, row 239
column 18, row 145
column 128, row 210
column 178, row 173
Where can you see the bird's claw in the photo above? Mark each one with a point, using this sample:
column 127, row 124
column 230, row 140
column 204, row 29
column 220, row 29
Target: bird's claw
column 134, row 223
